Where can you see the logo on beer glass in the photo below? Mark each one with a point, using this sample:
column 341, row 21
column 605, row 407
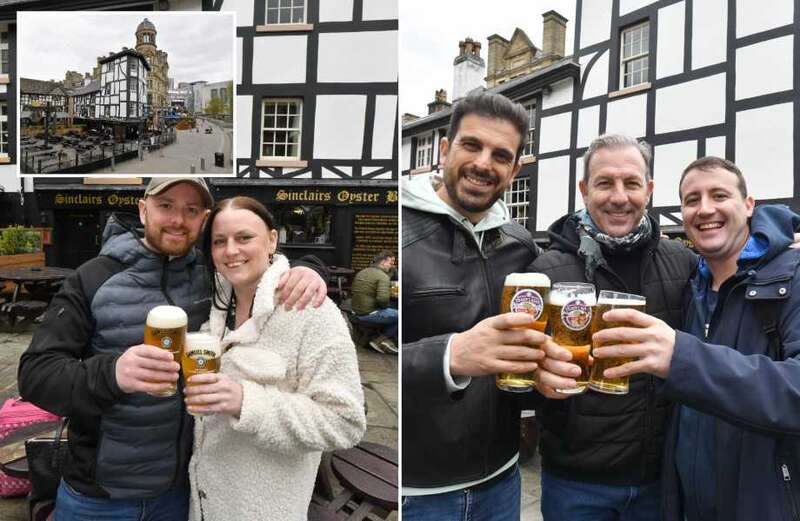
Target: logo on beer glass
column 166, row 342
column 576, row 315
column 527, row 301
column 201, row 362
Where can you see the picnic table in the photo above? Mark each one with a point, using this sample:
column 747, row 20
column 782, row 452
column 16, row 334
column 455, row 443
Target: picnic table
column 369, row 471
column 42, row 280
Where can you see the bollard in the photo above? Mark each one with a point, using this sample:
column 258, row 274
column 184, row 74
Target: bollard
column 191, row 169
column 202, row 164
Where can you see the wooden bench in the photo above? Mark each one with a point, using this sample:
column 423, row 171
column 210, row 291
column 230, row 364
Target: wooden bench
column 25, row 309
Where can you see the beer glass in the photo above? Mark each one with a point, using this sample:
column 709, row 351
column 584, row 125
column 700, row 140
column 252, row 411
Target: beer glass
column 524, row 293
column 607, row 301
column 166, row 328
column 571, row 307
column 201, row 355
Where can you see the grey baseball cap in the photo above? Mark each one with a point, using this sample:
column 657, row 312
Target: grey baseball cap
column 158, row 185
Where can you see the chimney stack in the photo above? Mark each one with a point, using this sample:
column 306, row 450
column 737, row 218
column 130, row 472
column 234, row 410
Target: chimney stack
column 554, row 33
column 439, row 102
column 468, row 68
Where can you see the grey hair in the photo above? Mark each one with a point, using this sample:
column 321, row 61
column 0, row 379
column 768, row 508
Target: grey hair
column 617, row 141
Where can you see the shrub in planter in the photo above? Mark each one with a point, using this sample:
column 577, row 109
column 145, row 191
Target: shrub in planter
column 16, row 239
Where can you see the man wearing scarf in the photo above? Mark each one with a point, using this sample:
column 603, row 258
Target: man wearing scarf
column 601, row 454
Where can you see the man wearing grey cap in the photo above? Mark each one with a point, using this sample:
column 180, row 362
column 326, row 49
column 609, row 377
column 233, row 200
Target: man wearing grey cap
column 129, row 450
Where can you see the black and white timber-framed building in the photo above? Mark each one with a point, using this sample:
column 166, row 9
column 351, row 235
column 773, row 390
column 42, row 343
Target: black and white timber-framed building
column 123, row 92
column 691, row 77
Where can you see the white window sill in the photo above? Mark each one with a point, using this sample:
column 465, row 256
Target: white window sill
column 282, row 163
column 5, row 160
column 630, row 90
column 525, row 160
column 421, row 170
column 283, row 28
column 5, row 79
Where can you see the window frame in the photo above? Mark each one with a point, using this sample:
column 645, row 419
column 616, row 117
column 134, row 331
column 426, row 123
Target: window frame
column 4, row 129
column 517, row 199
column 530, row 133
column 279, row 8
column 424, row 149
column 642, row 57
column 287, row 129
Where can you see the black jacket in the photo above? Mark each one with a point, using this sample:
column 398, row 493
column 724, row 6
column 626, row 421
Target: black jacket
column 449, row 285
column 599, row 438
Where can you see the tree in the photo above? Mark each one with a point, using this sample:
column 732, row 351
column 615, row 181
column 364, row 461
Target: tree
column 216, row 107
column 230, row 98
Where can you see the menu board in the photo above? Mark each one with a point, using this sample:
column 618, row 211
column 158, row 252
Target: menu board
column 372, row 233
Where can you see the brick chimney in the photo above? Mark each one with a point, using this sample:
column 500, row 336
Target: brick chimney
column 468, row 68
column 554, row 33
column 498, row 46
column 439, row 102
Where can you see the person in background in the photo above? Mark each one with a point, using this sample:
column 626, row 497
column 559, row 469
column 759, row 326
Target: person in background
column 371, row 292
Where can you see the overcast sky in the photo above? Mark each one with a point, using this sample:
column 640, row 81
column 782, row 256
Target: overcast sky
column 430, row 32
column 200, row 45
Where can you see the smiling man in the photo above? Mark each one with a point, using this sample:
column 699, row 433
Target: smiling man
column 601, row 454
column 733, row 448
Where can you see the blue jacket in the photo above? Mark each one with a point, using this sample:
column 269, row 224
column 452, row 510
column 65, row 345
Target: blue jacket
column 755, row 401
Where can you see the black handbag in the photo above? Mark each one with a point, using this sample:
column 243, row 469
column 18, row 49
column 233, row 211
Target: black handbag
column 46, row 458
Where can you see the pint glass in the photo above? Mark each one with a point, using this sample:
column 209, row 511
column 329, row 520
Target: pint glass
column 607, row 301
column 524, row 293
column 166, row 328
column 200, row 355
column 571, row 307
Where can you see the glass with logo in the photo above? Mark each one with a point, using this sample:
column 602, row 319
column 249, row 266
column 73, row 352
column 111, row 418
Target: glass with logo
column 606, row 301
column 166, row 328
column 524, row 293
column 201, row 355
column 571, row 309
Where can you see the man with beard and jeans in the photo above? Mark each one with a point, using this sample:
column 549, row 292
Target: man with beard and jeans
column 460, row 433
column 601, row 454
column 129, row 450
column 733, row 444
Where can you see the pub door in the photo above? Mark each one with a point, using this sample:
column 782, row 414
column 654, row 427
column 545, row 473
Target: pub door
column 76, row 237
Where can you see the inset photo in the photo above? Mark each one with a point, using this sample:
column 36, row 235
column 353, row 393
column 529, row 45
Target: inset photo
column 125, row 93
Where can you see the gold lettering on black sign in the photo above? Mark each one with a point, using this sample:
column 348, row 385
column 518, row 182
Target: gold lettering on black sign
column 372, row 233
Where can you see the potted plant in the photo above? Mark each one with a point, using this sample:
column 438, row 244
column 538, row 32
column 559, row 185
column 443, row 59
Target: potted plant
column 20, row 246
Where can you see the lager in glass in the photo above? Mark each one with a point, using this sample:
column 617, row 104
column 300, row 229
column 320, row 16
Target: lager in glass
column 166, row 328
column 607, row 301
column 201, row 355
column 524, row 293
column 571, row 308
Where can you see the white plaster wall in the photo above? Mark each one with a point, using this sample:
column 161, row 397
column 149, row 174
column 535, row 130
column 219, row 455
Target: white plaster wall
column 405, row 154
column 243, row 10
column 595, row 22
column 560, row 94
column 244, row 126
column 339, row 127
column 578, row 176
column 715, row 146
column 335, row 10
column 554, row 133
column 239, row 60
column 626, row 6
column 8, row 178
column 670, row 40
column 279, row 59
column 588, row 125
column 369, row 56
column 754, row 60
column 764, row 150
column 379, row 10
column 753, row 16
column 627, row 116
column 668, row 164
column 385, row 123
column 709, row 32
column 553, row 190
column 596, row 84
column 690, row 105
column 467, row 75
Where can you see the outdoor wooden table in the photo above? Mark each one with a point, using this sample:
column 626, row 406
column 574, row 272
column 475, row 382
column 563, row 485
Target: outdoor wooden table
column 369, row 470
column 32, row 275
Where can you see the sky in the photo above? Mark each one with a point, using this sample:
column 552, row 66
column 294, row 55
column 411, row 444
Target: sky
column 430, row 32
column 200, row 45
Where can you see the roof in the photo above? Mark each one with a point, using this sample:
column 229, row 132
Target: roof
column 129, row 52
column 94, row 86
column 29, row 86
column 514, row 89
column 146, row 25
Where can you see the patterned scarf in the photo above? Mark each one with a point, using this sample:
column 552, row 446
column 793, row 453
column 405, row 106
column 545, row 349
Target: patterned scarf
column 593, row 241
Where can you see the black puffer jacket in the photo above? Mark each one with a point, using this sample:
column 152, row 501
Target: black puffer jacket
column 450, row 283
column 599, row 438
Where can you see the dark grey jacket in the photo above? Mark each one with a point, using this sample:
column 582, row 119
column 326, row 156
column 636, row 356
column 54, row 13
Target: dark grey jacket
column 121, row 445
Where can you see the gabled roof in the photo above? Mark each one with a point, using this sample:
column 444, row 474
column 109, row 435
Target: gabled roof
column 129, row 52
column 29, row 86
column 520, row 39
column 94, row 86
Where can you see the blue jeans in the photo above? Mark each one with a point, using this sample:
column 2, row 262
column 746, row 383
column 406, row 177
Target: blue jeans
column 577, row 501
column 387, row 316
column 496, row 502
column 71, row 505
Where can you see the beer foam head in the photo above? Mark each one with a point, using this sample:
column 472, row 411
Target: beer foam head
column 167, row 317
column 559, row 297
column 539, row 280
column 202, row 341
column 627, row 302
